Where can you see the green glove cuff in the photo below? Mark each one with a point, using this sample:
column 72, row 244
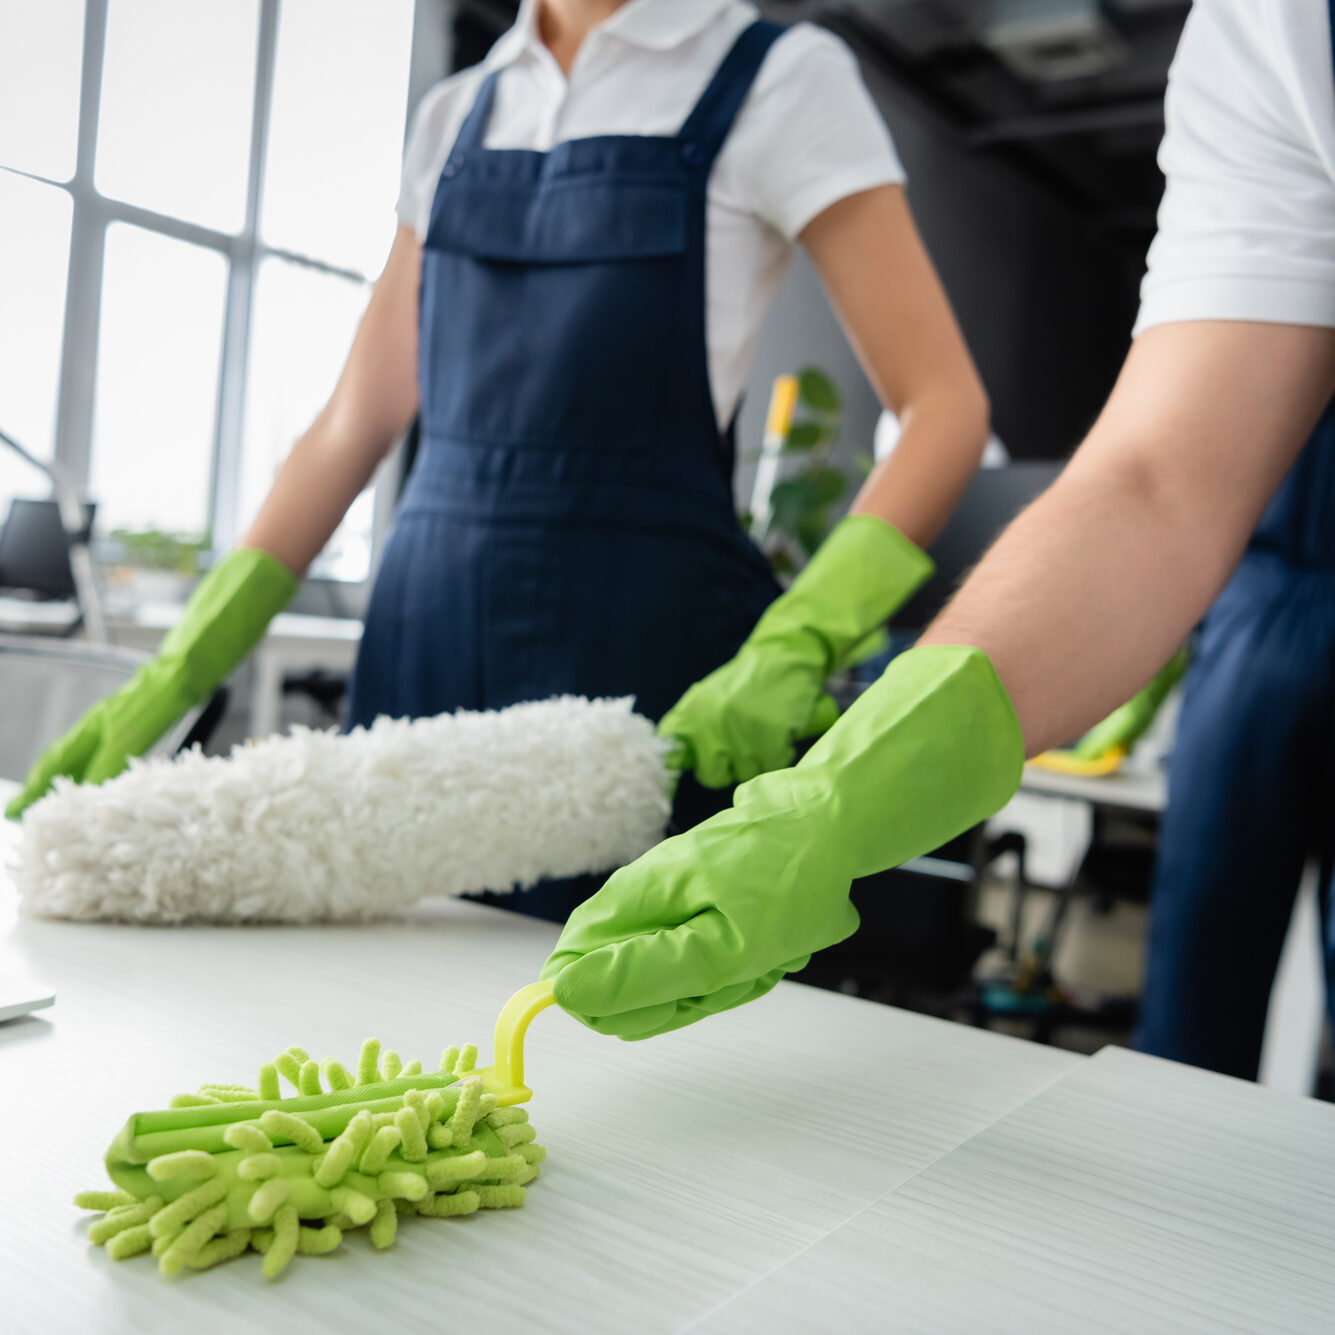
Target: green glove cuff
column 860, row 574
column 225, row 618
column 1125, row 726
column 219, row 626
column 930, row 749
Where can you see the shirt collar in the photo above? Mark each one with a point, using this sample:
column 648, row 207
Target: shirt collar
column 656, row 24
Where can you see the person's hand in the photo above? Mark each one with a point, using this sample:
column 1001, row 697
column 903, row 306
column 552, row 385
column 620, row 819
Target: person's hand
column 220, row 624
column 100, row 744
column 716, row 916
column 745, row 717
column 701, row 923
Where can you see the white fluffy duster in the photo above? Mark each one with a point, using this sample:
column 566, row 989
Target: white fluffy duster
column 316, row 826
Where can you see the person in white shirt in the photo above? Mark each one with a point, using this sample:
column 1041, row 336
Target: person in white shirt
column 1212, row 464
column 596, row 220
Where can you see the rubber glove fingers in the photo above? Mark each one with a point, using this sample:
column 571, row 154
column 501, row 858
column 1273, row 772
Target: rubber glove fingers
column 650, row 1021
column 109, row 760
column 686, row 959
column 720, row 767
column 700, row 923
column 679, row 756
column 725, row 745
column 730, row 750
column 68, row 757
column 823, row 717
column 713, row 764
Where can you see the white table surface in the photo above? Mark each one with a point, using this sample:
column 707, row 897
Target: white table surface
column 809, row 1162
column 1132, row 1195
column 680, row 1171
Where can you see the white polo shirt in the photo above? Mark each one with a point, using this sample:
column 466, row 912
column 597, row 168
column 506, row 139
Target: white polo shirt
column 807, row 136
column 1247, row 222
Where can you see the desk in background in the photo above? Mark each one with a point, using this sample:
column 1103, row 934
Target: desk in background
column 1297, row 1014
column 1142, row 788
column 292, row 642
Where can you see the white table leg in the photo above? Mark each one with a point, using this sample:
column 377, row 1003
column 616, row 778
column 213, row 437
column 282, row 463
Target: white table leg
column 1296, row 1019
column 266, row 692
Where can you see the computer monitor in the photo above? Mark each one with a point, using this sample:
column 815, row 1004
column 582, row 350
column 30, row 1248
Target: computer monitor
column 991, row 500
column 34, row 551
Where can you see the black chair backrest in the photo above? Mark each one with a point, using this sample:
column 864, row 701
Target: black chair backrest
column 34, row 552
column 991, row 500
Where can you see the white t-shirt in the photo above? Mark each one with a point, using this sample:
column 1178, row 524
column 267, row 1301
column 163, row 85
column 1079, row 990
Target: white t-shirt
column 1247, row 222
column 807, row 136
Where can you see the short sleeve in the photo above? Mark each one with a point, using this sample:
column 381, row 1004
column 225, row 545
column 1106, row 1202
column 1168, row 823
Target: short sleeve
column 435, row 125
column 808, row 135
column 1247, row 221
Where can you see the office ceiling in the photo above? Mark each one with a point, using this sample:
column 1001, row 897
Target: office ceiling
column 1069, row 91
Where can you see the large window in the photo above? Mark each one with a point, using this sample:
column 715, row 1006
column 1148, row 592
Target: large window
column 193, row 201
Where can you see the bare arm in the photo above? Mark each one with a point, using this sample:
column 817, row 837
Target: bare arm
column 371, row 406
column 1091, row 589
column 899, row 322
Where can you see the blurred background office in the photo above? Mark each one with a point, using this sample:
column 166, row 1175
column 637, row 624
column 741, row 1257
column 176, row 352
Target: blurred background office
column 194, row 199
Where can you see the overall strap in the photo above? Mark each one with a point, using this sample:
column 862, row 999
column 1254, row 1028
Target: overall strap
column 473, row 129
column 711, row 119
column 1330, row 11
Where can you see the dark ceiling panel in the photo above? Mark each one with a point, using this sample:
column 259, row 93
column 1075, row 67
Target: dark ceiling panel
column 1093, row 139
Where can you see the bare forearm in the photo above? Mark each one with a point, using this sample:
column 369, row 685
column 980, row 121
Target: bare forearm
column 371, row 406
column 1087, row 594
column 1074, row 604
column 899, row 322
column 312, row 491
column 918, row 486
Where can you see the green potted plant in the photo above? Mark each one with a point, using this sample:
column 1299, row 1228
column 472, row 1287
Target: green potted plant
column 159, row 567
column 803, row 503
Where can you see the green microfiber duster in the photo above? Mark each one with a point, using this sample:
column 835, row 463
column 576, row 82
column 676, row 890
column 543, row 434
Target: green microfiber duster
column 233, row 1168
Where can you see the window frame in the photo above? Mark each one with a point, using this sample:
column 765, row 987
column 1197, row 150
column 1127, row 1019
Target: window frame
column 244, row 251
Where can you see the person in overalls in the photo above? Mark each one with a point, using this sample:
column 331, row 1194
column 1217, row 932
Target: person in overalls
column 596, row 220
column 1208, row 482
column 1251, row 782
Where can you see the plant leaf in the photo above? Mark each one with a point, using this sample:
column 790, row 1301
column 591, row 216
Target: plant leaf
column 827, row 484
column 812, row 530
column 803, row 436
column 817, row 390
column 790, row 501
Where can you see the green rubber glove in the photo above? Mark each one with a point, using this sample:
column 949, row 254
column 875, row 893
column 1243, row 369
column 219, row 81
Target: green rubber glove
column 219, row 626
column 716, row 916
column 743, row 719
column 1126, row 725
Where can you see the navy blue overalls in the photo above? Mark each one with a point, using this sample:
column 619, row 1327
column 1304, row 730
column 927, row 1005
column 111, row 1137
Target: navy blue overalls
column 569, row 523
column 1252, row 783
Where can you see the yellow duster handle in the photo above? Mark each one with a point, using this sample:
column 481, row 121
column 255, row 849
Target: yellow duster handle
column 782, row 401
column 778, row 421
column 511, row 1026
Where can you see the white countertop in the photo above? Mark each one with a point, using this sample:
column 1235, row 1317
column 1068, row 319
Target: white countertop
column 298, row 626
column 1131, row 788
column 806, row 1162
column 1131, row 1195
